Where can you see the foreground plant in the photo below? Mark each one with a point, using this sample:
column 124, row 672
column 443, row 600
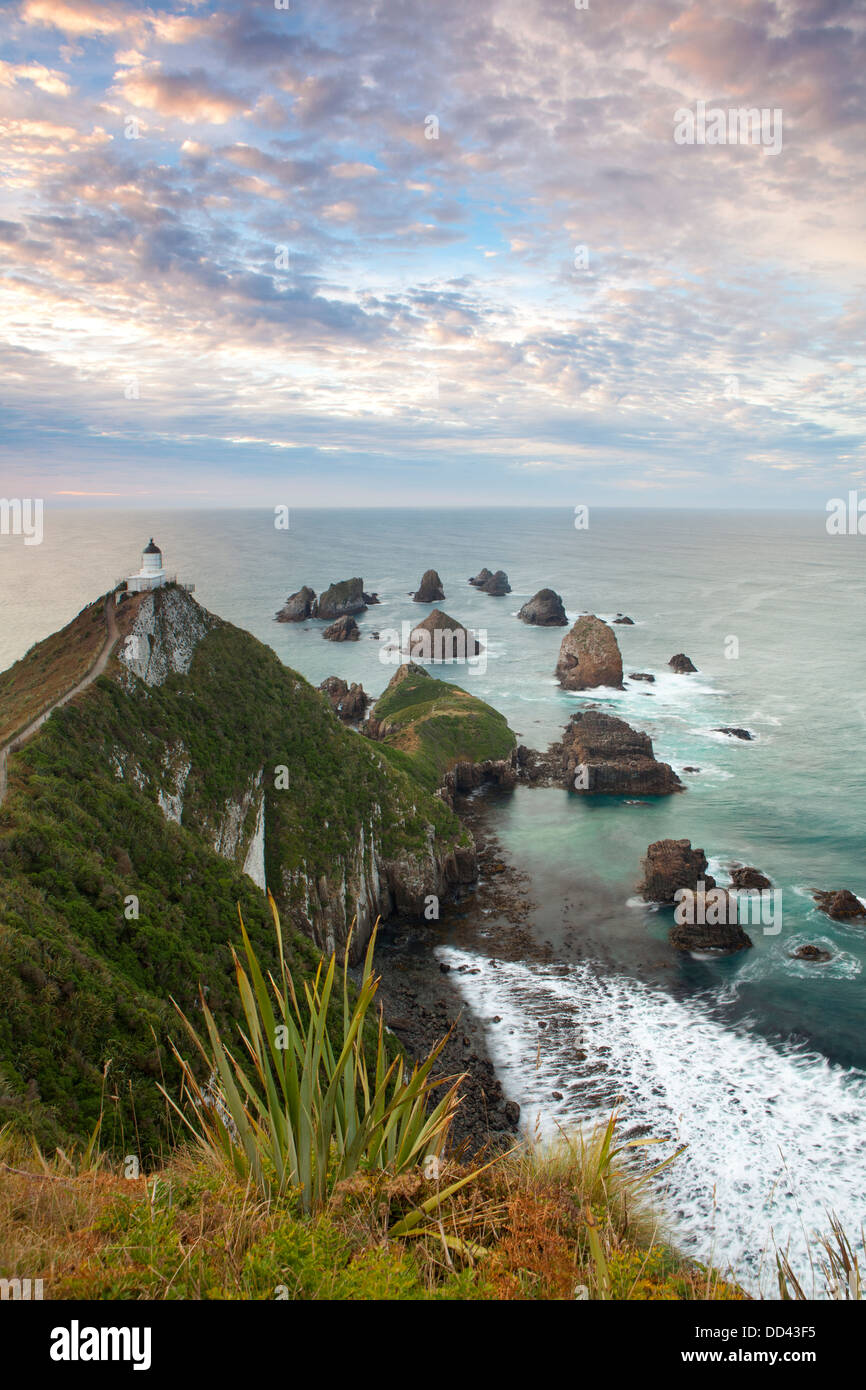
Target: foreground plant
column 300, row 1111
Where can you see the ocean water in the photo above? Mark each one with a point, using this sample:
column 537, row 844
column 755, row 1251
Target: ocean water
column 758, row 1062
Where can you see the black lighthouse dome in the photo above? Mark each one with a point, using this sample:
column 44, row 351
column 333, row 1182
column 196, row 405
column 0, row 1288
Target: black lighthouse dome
column 151, row 549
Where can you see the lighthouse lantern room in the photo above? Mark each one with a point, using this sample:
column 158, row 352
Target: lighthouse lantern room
column 152, row 574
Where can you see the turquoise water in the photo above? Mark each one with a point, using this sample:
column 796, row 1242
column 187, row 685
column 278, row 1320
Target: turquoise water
column 759, row 1061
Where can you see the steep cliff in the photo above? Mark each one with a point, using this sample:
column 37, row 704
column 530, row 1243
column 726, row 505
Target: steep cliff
column 196, row 770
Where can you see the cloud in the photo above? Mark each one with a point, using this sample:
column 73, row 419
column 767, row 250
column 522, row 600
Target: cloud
column 189, row 97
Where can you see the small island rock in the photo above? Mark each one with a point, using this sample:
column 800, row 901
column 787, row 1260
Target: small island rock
column 681, row 664
column 430, row 589
column 544, row 609
column 589, row 656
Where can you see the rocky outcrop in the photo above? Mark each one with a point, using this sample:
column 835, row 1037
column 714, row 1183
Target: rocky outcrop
column 641, row 676
column 298, row 606
column 466, row 777
column 496, row 585
column 670, row 865
column 162, row 641
column 681, row 664
column 841, row 905
column 624, row 621
column 744, row 876
column 440, row 638
column 430, row 589
column 816, row 954
column 589, row 656
column 371, row 599
column 709, row 922
column 604, row 756
column 348, row 701
column 342, row 600
column 544, row 609
column 345, row 629
column 733, row 732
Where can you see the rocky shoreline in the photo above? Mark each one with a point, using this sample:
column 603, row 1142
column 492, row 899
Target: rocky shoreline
column 422, row 1003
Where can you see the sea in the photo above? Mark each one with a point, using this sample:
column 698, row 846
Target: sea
column 757, row 1062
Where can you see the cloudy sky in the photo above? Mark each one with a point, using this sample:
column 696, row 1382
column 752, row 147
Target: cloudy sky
column 430, row 250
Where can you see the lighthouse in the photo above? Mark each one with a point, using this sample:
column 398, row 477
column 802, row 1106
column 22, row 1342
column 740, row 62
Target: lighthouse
column 152, row 574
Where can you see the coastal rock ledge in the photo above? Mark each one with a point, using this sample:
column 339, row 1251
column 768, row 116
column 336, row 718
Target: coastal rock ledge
column 589, row 656
column 602, row 755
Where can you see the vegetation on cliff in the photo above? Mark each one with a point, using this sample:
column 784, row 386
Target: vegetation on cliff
column 109, row 907
column 429, row 725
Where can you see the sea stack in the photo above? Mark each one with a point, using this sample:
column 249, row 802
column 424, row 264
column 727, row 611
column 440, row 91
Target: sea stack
column 345, row 629
column 496, row 585
column 589, row 656
column 298, row 606
column 440, row 638
column 682, row 664
column 544, row 609
column 673, row 864
column 340, row 600
column 604, row 756
column 430, row 589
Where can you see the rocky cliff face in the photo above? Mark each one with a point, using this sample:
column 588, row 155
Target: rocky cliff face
column 165, row 634
column 589, row 656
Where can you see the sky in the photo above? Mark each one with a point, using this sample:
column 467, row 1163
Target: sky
column 430, row 252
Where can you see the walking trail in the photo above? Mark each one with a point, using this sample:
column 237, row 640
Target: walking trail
column 93, row 674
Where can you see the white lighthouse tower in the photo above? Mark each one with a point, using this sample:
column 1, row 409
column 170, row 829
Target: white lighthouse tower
column 152, row 574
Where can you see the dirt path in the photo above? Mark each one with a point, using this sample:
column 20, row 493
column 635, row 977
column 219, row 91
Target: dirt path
column 93, row 674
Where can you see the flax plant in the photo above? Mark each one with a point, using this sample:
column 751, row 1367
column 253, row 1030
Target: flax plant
column 300, row 1111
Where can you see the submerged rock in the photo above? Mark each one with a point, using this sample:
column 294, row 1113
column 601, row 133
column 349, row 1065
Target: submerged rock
column 673, row 864
column 544, row 609
column 841, row 904
column 817, row 954
column 734, row 732
column 440, row 638
column 298, row 606
column 641, row 676
column 589, row 656
column 602, row 755
column 681, row 664
column 345, row 629
column 624, row 621
column 430, row 589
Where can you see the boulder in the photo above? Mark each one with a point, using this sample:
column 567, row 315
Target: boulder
column 733, row 732
column 817, row 954
column 625, row 622
column 712, row 924
column 342, row 599
column 345, row 629
column 440, row 638
column 496, row 585
column 681, row 664
column 641, row 676
column 544, row 609
column 371, row 599
column 348, row 701
column 673, row 864
column 589, row 656
column 298, row 606
column 603, row 756
column 744, row 876
column 430, row 589
column 841, row 904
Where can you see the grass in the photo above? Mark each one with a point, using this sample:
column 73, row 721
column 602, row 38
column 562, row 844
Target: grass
column 428, row 725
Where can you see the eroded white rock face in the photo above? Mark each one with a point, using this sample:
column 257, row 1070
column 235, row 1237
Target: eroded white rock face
column 168, row 627
column 176, row 763
column 254, row 864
